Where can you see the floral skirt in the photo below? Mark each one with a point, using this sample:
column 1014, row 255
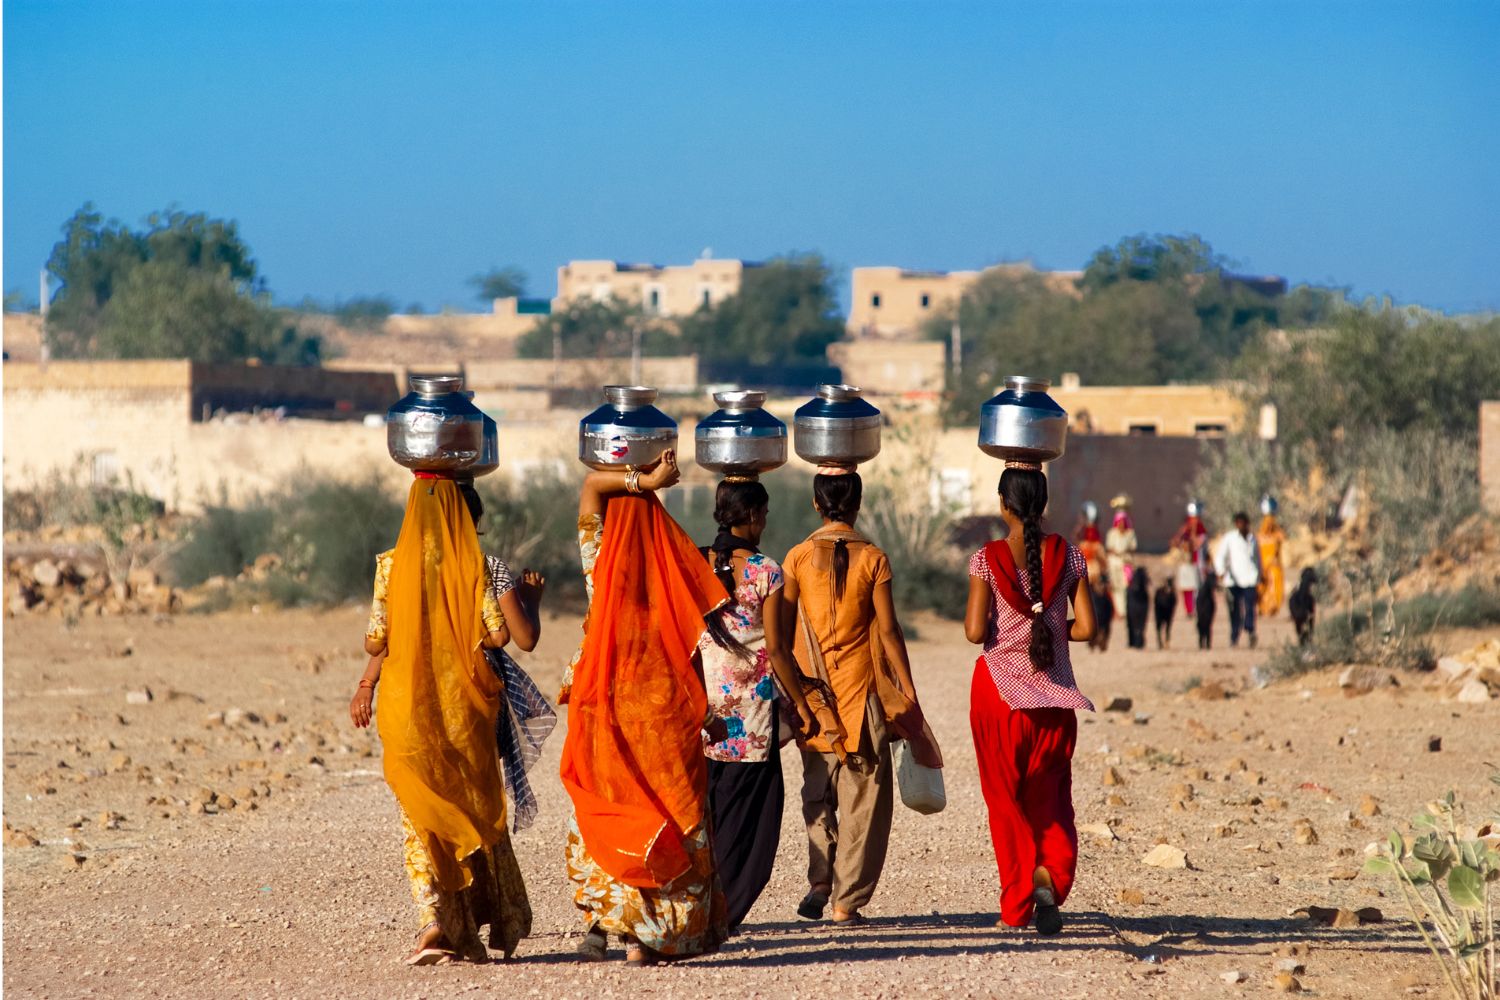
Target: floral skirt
column 684, row 917
column 496, row 897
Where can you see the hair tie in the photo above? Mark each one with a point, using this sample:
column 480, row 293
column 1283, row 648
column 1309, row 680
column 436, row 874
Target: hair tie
column 1024, row 466
column 835, row 470
column 1037, row 608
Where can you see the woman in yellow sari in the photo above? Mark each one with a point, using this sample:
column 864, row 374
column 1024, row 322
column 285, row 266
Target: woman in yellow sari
column 640, row 854
column 433, row 614
column 1272, row 571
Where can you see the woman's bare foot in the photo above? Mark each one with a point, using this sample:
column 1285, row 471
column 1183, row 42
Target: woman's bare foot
column 431, row 948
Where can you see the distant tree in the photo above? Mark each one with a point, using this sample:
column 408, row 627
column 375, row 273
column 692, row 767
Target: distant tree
column 785, row 313
column 365, row 311
column 590, row 328
column 185, row 286
column 16, row 301
column 499, row 283
column 1377, row 368
column 1151, row 258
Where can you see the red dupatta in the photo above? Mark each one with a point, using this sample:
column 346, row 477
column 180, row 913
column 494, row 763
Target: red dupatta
column 1008, row 580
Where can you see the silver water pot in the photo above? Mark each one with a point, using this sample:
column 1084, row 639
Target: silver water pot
column 436, row 428
column 626, row 430
column 837, row 427
column 740, row 438
column 1022, row 423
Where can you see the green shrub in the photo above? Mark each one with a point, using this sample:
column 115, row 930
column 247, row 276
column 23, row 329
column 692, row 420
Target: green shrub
column 68, row 498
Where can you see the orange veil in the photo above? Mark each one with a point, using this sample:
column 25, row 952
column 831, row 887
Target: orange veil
column 437, row 696
column 633, row 760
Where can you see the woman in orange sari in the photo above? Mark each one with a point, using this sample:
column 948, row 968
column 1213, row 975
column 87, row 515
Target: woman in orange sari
column 434, row 614
column 640, row 854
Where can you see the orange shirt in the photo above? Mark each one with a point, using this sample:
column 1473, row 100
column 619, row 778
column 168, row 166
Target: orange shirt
column 843, row 628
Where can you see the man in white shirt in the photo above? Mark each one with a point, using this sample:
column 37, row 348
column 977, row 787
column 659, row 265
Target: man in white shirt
column 1237, row 562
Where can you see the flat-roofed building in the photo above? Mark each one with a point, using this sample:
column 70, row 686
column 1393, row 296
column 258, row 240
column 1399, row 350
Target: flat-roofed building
column 897, row 302
column 661, row 290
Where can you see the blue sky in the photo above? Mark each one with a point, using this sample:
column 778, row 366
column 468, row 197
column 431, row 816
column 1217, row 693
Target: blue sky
column 398, row 148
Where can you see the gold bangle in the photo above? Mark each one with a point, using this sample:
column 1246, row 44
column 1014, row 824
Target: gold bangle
column 633, row 481
column 367, row 683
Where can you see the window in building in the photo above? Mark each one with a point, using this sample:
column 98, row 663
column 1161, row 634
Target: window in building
column 926, row 300
column 653, row 299
column 106, row 468
column 1142, row 430
column 708, row 297
column 602, row 292
column 1210, row 430
column 875, row 301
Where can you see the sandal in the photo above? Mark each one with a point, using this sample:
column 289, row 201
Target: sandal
column 1047, row 918
column 855, row 919
column 594, row 947
column 434, row 952
column 811, row 907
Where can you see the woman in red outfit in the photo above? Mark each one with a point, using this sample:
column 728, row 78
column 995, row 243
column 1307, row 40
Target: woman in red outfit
column 1023, row 698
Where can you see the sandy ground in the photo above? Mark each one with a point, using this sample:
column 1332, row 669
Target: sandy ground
column 297, row 890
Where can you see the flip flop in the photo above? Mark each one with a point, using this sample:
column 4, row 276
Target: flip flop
column 855, row 919
column 430, row 956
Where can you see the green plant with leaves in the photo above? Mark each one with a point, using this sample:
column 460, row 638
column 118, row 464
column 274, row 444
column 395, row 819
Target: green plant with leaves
column 1444, row 875
column 499, row 283
column 590, row 328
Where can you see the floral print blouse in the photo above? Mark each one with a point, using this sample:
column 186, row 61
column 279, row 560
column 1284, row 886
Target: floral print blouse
column 742, row 692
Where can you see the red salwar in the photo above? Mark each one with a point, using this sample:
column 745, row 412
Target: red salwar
column 1026, row 773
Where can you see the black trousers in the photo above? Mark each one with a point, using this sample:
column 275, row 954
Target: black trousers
column 746, row 800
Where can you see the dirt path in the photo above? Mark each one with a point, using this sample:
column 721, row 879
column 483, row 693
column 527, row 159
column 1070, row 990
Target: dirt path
column 297, row 890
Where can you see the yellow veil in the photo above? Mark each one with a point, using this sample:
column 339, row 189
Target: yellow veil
column 438, row 697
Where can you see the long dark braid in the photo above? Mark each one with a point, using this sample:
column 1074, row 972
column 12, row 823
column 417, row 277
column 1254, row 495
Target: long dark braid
column 838, row 499
column 1024, row 493
column 735, row 504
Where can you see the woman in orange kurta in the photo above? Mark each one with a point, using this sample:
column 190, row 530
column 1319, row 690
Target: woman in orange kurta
column 640, row 853
column 847, row 634
column 436, row 705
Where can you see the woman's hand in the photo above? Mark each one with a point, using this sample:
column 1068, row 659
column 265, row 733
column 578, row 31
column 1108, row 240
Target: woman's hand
column 717, row 731
column 663, row 474
column 359, row 706
column 534, row 582
column 807, row 723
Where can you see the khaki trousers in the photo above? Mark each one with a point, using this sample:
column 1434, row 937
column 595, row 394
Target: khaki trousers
column 848, row 814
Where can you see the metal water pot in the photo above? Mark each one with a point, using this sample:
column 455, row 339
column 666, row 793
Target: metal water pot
column 837, row 427
column 1022, row 423
column 436, row 428
column 740, row 438
column 626, row 430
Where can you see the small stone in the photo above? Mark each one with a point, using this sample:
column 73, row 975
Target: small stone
column 1182, row 792
column 1474, row 692
column 1100, row 830
column 1434, row 744
column 1165, row 856
column 1274, row 804
column 19, row 838
column 1285, row 982
column 139, row 696
column 1345, row 918
column 1210, row 691
column 1233, row 977
column 225, row 802
column 71, row 862
column 1291, row 965
column 119, row 762
column 1304, row 833
column 1200, row 731
column 1115, row 799
column 1253, row 778
column 1369, row 806
column 1132, row 897
column 1119, row 703
column 1113, row 777
column 197, row 808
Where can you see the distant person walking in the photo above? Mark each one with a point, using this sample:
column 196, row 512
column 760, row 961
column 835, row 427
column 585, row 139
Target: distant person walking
column 1237, row 564
column 1023, row 699
column 1273, row 572
column 1190, row 544
column 1119, row 546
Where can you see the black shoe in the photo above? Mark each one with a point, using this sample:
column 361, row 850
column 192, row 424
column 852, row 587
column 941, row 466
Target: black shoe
column 811, row 907
column 594, row 947
column 1047, row 918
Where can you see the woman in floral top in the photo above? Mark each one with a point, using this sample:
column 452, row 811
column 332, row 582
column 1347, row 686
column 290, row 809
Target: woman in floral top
column 745, row 788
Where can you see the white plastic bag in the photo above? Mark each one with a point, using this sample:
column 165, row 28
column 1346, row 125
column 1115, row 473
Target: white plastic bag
column 921, row 786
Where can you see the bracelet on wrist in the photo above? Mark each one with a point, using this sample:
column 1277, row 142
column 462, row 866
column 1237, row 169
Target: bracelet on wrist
column 367, row 684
